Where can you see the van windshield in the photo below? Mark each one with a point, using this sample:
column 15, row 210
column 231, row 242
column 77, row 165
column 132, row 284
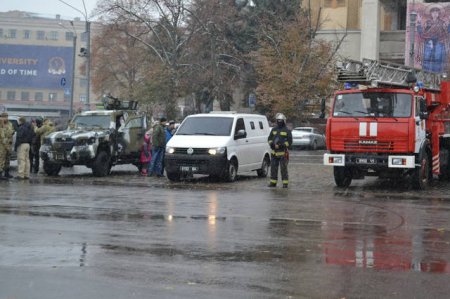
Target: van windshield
column 214, row 126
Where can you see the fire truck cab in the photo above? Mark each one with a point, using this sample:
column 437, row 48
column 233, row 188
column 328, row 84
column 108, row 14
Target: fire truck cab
column 389, row 121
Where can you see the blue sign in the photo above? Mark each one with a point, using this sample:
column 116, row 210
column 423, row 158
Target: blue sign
column 252, row 100
column 41, row 67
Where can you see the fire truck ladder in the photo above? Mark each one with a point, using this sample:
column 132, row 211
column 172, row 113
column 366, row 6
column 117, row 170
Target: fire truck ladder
column 370, row 71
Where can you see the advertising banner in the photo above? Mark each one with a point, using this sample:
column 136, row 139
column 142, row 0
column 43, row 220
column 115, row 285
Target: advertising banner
column 431, row 36
column 40, row 67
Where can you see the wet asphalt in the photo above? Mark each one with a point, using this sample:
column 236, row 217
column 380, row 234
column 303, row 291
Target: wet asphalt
column 128, row 236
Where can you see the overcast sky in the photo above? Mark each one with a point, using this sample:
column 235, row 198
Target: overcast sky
column 50, row 8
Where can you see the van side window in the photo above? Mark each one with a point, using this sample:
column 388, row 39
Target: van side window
column 239, row 125
column 261, row 126
column 252, row 125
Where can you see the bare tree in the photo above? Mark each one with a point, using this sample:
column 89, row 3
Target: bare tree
column 294, row 66
column 119, row 61
column 163, row 33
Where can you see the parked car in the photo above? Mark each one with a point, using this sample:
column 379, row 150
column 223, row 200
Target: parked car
column 307, row 137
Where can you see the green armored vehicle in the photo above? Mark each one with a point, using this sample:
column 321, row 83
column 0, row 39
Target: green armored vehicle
column 97, row 139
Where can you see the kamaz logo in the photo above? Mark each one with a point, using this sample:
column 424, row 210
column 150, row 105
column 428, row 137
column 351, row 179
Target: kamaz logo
column 368, row 142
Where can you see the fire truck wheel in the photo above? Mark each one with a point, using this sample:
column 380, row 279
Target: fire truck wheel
column 422, row 174
column 342, row 176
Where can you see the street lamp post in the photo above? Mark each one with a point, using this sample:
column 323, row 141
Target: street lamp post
column 87, row 51
column 88, row 62
column 72, row 86
column 73, row 76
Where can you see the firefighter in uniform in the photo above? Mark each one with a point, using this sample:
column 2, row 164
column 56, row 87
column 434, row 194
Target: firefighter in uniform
column 280, row 139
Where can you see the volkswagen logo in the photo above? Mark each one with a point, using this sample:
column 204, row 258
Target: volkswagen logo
column 190, row 151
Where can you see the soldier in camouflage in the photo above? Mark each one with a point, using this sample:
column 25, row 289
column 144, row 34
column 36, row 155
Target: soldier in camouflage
column 46, row 128
column 6, row 139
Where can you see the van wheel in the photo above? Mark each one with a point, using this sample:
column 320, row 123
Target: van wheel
column 52, row 169
column 264, row 171
column 173, row 176
column 231, row 172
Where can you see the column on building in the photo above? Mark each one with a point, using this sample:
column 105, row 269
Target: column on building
column 370, row 29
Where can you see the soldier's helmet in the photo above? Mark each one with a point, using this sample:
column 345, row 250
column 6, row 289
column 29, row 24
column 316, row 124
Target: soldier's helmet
column 280, row 116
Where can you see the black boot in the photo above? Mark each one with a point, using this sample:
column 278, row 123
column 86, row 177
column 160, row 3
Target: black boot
column 7, row 175
column 1, row 176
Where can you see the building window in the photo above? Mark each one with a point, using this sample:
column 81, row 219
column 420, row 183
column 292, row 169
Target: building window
column 334, row 3
column 12, row 33
column 25, row 96
column 52, row 96
column 26, row 34
column 40, row 35
column 11, row 95
column 67, row 97
column 83, row 36
column 54, row 35
column 83, row 98
column 83, row 83
column 39, row 96
column 69, row 35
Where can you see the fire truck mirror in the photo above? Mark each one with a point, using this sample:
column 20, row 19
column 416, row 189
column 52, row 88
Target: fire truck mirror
column 322, row 108
column 423, row 113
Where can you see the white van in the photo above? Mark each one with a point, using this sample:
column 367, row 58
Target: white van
column 221, row 145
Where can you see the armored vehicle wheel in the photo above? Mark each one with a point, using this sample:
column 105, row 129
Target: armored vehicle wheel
column 52, row 169
column 231, row 172
column 173, row 176
column 262, row 173
column 342, row 176
column 102, row 164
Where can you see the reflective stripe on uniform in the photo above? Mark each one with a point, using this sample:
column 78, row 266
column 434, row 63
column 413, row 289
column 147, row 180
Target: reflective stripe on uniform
column 273, row 181
column 283, row 133
column 277, row 154
column 285, row 182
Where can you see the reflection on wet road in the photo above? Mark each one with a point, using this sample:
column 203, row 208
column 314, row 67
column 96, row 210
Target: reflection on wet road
column 127, row 236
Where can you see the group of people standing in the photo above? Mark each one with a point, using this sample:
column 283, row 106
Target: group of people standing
column 29, row 137
column 154, row 146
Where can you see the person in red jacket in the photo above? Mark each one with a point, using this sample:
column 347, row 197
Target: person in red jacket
column 146, row 152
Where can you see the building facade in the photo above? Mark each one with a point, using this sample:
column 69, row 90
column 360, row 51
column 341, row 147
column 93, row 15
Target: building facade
column 373, row 29
column 43, row 65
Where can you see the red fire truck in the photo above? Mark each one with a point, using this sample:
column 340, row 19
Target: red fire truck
column 389, row 121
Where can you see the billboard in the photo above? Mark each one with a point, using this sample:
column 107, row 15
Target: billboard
column 431, row 36
column 40, row 67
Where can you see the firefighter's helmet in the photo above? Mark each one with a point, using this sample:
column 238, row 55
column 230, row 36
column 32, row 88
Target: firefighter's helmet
column 280, row 116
